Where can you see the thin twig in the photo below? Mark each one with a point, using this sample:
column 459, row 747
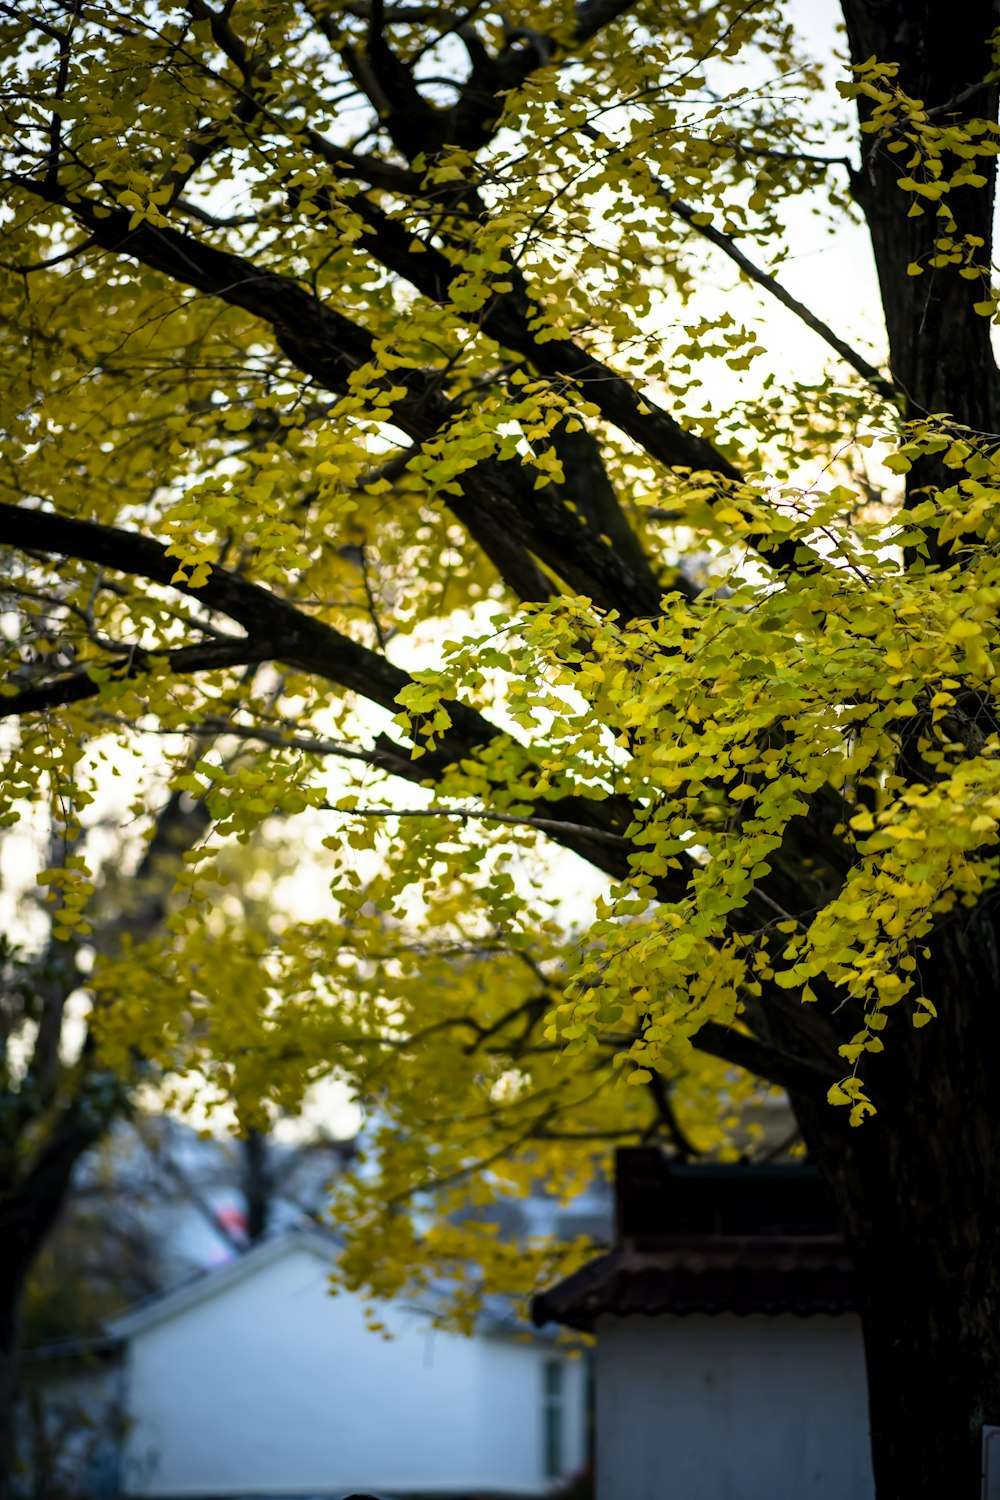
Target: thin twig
column 762, row 278
column 467, row 814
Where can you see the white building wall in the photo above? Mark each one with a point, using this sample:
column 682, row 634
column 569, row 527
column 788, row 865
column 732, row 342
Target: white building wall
column 575, row 1410
column 731, row 1408
column 515, row 1384
column 273, row 1387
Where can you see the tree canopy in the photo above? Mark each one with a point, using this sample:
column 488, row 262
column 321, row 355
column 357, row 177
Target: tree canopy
column 398, row 447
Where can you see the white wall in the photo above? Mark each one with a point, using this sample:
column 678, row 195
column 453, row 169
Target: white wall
column 729, row 1408
column 515, row 1445
column 272, row 1387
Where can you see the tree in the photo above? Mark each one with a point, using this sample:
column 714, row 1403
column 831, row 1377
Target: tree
column 157, row 1203
column 59, row 1098
column 343, row 336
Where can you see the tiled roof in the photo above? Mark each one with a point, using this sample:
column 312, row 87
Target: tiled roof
column 706, row 1274
column 710, row 1238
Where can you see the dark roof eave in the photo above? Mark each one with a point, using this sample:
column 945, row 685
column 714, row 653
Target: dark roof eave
column 584, row 1321
column 804, row 1276
column 100, row 1347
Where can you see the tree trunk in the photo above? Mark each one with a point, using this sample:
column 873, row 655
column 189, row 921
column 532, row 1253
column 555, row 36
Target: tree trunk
column 29, row 1209
column 11, row 1296
column 940, row 350
column 258, row 1189
column 933, row 1361
column 918, row 1188
column 919, row 1185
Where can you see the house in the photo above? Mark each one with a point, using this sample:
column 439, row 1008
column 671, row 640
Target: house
column 729, row 1361
column 252, row 1380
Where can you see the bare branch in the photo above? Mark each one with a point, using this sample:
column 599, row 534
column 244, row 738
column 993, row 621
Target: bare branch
column 314, row 647
column 75, row 687
column 467, row 814
column 667, row 1116
column 799, row 1075
column 46, row 265
column 189, row 1188
column 762, row 278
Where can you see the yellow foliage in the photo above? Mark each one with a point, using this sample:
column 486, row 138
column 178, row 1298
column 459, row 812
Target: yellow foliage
column 350, row 461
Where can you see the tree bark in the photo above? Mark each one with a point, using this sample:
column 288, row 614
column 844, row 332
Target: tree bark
column 258, row 1187
column 11, row 1296
column 940, row 349
column 918, row 1186
column 29, row 1209
column 918, row 1189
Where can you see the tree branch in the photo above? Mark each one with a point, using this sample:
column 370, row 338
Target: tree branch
column 506, row 316
column 470, row 122
column 762, row 278
column 75, row 687
column 499, row 506
column 290, row 635
column 475, row 814
column 800, row 1074
column 316, row 648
